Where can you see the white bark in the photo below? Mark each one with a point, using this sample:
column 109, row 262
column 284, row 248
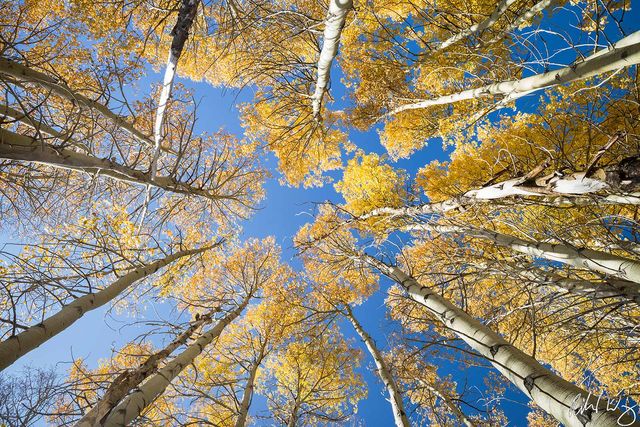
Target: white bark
column 180, row 32
column 500, row 9
column 395, row 398
column 455, row 410
column 133, row 405
column 624, row 53
column 557, row 189
column 18, row 345
column 22, row 73
column 40, row 128
column 589, row 259
column 27, row 149
column 247, row 395
column 334, row 23
column 608, row 288
column 125, row 382
column 553, row 394
column 525, row 17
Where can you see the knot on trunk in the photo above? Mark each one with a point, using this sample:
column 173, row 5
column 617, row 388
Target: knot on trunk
column 624, row 175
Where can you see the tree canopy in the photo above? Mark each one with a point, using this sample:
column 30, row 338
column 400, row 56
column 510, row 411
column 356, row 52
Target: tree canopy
column 313, row 213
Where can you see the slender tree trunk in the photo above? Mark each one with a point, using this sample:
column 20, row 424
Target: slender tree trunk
column 130, row 379
column 40, row 128
column 602, row 262
column 455, row 410
column 293, row 419
column 247, row 396
column 133, row 405
column 563, row 189
column 334, row 23
column 395, row 398
column 27, row 149
column 500, row 9
column 557, row 397
column 22, row 73
column 17, row 346
column 624, row 53
column 527, row 16
column 180, row 33
column 607, row 288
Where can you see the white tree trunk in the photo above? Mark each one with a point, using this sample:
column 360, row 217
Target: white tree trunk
column 557, row 189
column 589, row 259
column 129, row 379
column 133, row 405
column 624, row 53
column 553, row 394
column 610, row 287
column 23, row 148
column 500, row 9
column 22, row 73
column 334, row 23
column 527, row 16
column 40, row 128
column 180, row 33
column 455, row 410
column 247, row 395
column 18, row 345
column 395, row 398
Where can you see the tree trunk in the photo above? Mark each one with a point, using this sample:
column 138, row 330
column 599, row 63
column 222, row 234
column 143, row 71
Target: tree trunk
column 293, row 419
column 247, row 396
column 23, row 148
column 607, row 288
column 455, row 410
column 395, row 398
column 40, row 128
column 500, row 9
column 557, row 397
column 602, row 262
column 130, row 379
column 527, row 16
column 17, row 346
column 334, row 24
column 180, row 33
column 133, row 405
column 619, row 177
column 22, row 73
column 624, row 53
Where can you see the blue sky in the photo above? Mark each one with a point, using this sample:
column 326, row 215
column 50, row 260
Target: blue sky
column 284, row 210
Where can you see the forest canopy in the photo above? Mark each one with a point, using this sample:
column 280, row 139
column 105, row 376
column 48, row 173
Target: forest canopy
column 319, row 213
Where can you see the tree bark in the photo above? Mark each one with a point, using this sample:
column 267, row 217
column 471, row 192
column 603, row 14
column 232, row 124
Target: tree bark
column 40, row 128
column 500, row 9
column 180, row 33
column 293, row 419
column 624, row 53
column 23, row 73
column 130, row 379
column 557, row 397
column 528, row 15
column 27, row 149
column 559, row 189
column 334, row 23
column 395, row 398
column 17, row 346
column 607, row 288
column 589, row 259
column 455, row 410
column 247, row 396
column 133, row 405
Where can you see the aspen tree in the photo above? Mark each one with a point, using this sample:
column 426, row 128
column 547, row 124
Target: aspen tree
column 18, row 345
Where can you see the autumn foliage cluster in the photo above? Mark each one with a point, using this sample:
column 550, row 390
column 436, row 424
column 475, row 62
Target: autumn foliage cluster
column 484, row 165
